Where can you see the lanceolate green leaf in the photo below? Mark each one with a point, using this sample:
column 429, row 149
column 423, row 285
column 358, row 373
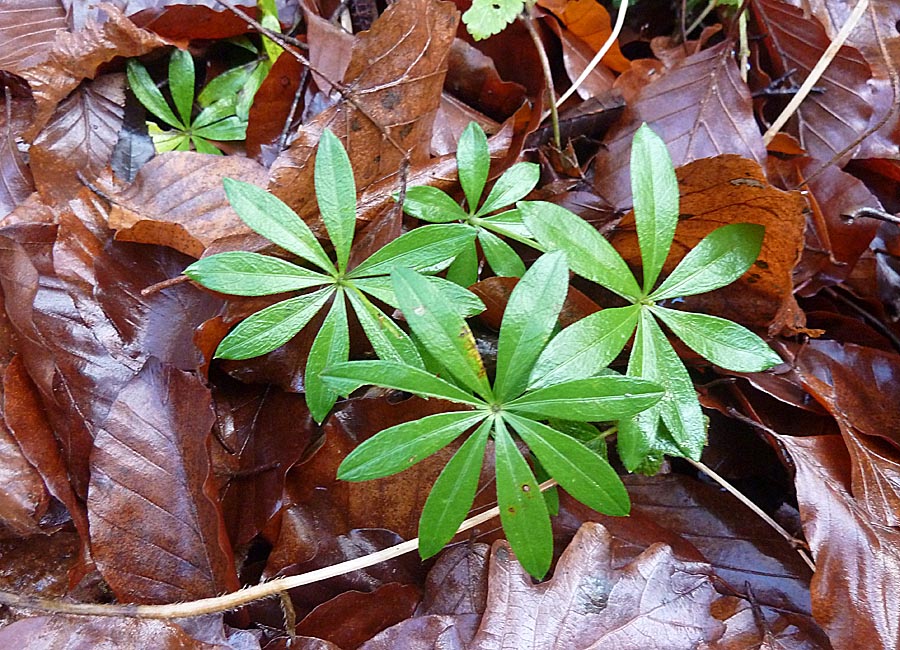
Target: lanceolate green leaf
column 148, row 94
column 590, row 400
column 523, row 511
column 654, row 190
column 402, row 446
column 464, row 302
column 473, row 161
column 231, row 128
column 723, row 342
column 331, row 346
column 580, row 471
column 389, row 341
column 250, row 274
column 589, row 254
column 637, row 434
column 515, row 183
column 464, row 270
column 427, row 249
column 585, row 347
column 500, row 255
column 181, row 83
column 452, row 493
column 440, row 329
column 336, row 194
column 347, row 377
column 431, row 204
column 720, row 258
column 272, row 327
column 275, row 221
column 509, row 224
column 528, row 322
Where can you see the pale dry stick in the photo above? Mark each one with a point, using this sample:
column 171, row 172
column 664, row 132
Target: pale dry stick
column 817, row 71
column 617, row 28
column 703, row 14
column 756, row 509
column 235, row 599
column 527, row 19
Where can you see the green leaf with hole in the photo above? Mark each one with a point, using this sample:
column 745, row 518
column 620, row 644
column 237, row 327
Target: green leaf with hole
column 718, row 259
column 452, row 495
column 523, row 511
column 580, row 471
column 250, row 274
column 272, row 327
column 488, row 17
column 336, row 194
column 402, row 446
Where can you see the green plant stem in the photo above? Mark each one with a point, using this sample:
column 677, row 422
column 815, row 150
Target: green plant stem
column 527, row 19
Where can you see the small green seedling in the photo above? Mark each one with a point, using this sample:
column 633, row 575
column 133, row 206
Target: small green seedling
column 522, row 396
column 428, row 249
column 473, row 161
column 719, row 259
column 216, row 122
column 488, row 17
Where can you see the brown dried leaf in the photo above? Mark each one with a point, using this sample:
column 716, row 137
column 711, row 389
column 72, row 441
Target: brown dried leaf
column 395, row 76
column 27, row 30
column 181, row 20
column 150, row 465
column 857, row 560
column 829, row 121
column 16, row 181
column 79, row 138
column 656, row 601
column 472, row 77
column 729, row 189
column 23, row 497
column 590, row 23
column 97, row 633
column 178, row 200
column 271, row 108
column 700, row 108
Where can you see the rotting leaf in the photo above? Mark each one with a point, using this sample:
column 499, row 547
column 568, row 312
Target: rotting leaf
column 177, row 200
column 700, row 108
column 150, row 464
column 395, row 74
column 16, row 180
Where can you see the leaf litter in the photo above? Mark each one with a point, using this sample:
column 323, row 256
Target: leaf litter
column 134, row 466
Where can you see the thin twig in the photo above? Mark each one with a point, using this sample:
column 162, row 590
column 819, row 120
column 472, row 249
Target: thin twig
column 527, row 19
column 617, row 28
column 271, row 34
column 817, row 71
column 703, row 14
column 234, row 599
column 793, row 541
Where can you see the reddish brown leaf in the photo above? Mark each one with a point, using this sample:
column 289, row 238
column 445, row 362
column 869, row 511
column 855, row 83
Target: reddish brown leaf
column 857, row 560
column 729, row 189
column 38, row 566
column 700, row 108
column 829, row 121
column 577, row 55
column 23, row 497
column 657, row 601
column 150, row 465
column 394, row 77
column 178, row 200
column 77, row 56
column 590, row 23
column 457, row 584
column 79, row 138
column 16, row 181
column 473, row 78
column 184, row 21
column 97, row 633
column 271, row 108
column 355, row 617
column 453, row 117
column 27, row 30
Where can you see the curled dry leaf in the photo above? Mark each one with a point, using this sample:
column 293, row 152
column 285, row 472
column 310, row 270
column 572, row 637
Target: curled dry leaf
column 729, row 189
column 700, row 108
column 178, row 200
column 150, row 465
column 472, row 77
column 857, row 560
column 394, row 77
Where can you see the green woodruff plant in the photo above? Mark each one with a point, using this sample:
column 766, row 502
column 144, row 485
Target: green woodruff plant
column 548, row 384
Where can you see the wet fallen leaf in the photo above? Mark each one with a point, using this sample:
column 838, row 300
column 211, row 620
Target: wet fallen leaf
column 16, row 179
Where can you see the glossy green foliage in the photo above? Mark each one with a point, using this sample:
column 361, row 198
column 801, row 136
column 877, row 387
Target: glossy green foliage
column 217, row 121
column 427, row 249
column 676, row 424
column 515, row 405
column 473, row 161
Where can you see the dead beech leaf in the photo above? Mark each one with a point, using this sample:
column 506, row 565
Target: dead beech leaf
column 589, row 22
column 271, row 107
column 577, row 55
column 77, row 56
column 27, row 30
column 178, row 200
column 473, row 78
column 150, row 465
column 730, row 189
column 80, row 137
column 23, row 497
column 700, row 108
column 97, row 633
column 16, row 180
column 857, row 560
column 177, row 20
column 655, row 602
column 825, row 122
column 395, row 75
